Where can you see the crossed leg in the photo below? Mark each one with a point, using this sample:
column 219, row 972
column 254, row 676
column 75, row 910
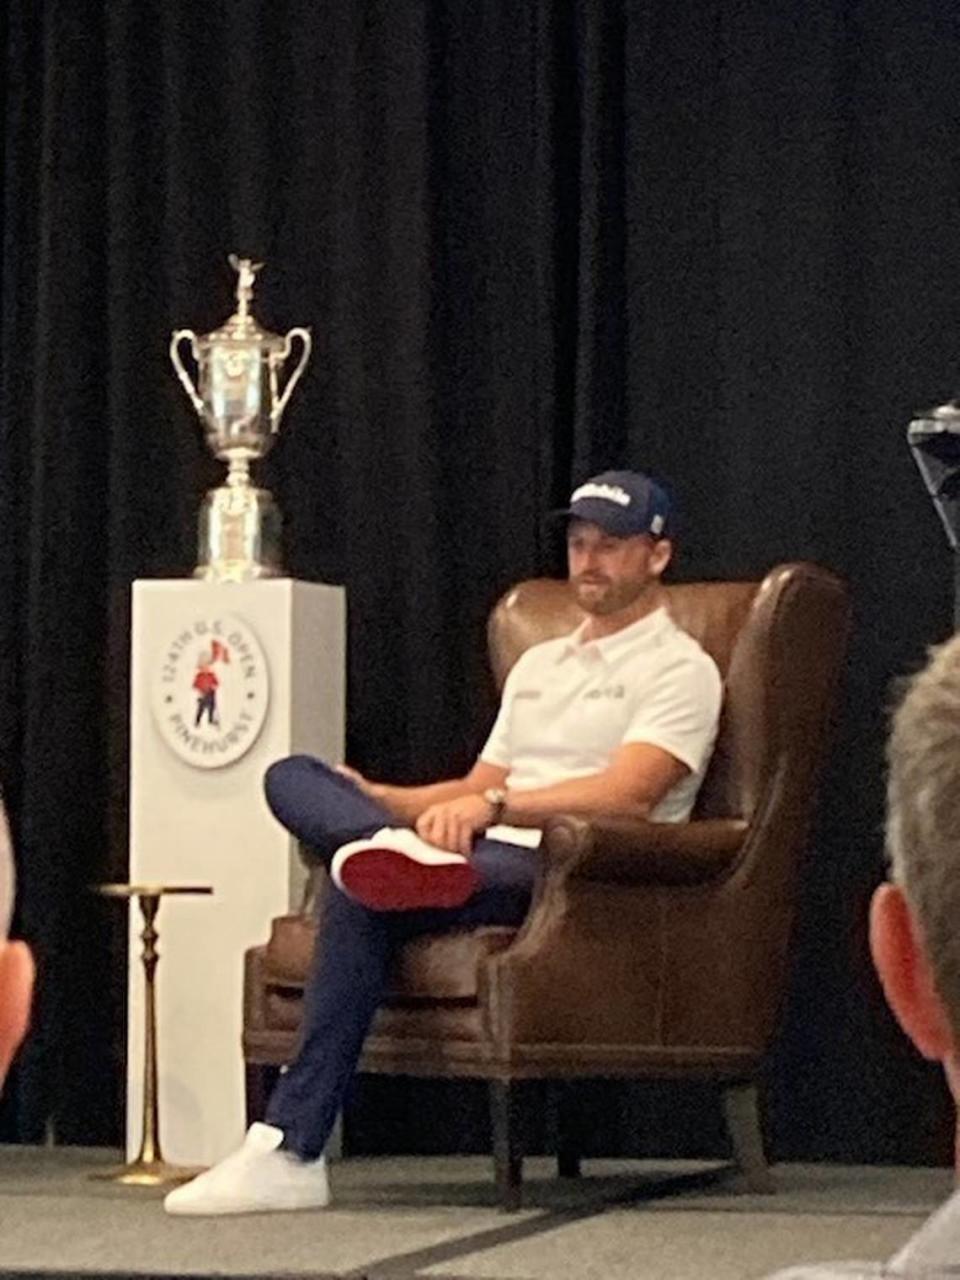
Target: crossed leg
column 356, row 943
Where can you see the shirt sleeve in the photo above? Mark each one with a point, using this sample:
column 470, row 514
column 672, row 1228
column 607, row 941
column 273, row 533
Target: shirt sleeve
column 679, row 714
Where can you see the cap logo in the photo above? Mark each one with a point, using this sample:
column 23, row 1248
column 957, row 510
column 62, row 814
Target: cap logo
column 611, row 492
column 656, row 524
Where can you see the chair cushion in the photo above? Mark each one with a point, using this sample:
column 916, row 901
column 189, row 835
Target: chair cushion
column 436, row 968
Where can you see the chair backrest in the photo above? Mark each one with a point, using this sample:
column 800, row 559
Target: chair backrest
column 778, row 644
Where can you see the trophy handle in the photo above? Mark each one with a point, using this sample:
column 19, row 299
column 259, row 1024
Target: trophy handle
column 185, row 379
column 279, row 405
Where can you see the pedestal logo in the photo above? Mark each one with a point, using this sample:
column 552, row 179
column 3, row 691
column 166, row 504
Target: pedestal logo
column 211, row 690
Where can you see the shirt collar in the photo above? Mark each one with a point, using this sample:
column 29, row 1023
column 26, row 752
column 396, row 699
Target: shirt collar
column 608, row 647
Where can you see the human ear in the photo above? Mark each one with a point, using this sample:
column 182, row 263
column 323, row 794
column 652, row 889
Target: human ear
column 661, row 555
column 905, row 974
column 16, row 987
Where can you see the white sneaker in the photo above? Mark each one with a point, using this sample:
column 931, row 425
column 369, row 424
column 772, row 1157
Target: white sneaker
column 259, row 1178
column 394, row 870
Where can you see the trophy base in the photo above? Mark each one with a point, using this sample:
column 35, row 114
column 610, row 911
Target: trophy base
column 239, row 536
column 235, row 571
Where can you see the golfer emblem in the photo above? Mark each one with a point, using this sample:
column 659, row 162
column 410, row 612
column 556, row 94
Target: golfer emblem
column 210, row 690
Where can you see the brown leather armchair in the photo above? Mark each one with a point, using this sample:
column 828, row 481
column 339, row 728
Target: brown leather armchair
column 656, row 951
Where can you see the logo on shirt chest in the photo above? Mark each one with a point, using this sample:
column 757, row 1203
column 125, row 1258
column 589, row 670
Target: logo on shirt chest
column 607, row 691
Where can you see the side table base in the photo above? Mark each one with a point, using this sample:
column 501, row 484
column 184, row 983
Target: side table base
column 149, row 1169
column 147, row 1173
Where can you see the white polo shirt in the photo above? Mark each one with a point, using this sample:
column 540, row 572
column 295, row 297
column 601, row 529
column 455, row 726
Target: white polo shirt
column 568, row 704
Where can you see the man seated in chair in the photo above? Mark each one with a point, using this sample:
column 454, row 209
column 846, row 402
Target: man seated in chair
column 914, row 924
column 16, row 963
column 619, row 716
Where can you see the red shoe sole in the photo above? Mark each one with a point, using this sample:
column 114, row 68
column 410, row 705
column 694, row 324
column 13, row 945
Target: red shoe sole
column 390, row 881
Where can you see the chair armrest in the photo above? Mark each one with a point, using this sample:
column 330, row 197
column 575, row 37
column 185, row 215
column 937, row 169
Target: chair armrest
column 591, row 961
column 628, row 850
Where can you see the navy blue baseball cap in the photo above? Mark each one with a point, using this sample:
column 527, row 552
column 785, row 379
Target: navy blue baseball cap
column 624, row 503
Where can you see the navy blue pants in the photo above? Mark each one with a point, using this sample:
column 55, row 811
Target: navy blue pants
column 355, row 944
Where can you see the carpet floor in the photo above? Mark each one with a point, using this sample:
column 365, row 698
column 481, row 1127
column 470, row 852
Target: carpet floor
column 397, row 1218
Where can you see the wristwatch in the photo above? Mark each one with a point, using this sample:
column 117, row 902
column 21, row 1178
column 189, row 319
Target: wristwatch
column 496, row 798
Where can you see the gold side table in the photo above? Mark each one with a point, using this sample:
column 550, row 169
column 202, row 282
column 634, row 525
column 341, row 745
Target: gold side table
column 149, row 1169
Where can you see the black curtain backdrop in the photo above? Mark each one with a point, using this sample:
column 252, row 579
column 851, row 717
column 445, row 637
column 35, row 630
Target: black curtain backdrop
column 717, row 241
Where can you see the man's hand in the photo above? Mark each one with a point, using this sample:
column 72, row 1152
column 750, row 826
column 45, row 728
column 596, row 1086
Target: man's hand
column 410, row 805
column 390, row 797
column 357, row 778
column 453, row 824
column 400, row 802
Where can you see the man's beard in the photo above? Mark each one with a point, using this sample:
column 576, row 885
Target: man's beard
column 604, row 597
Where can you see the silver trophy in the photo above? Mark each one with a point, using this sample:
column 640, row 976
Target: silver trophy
column 240, row 403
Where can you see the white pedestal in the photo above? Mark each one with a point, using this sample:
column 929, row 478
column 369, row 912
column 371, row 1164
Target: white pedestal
column 211, row 825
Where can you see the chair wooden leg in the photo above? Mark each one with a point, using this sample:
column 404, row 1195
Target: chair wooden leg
column 507, row 1143
column 569, row 1129
column 742, row 1111
column 260, row 1077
